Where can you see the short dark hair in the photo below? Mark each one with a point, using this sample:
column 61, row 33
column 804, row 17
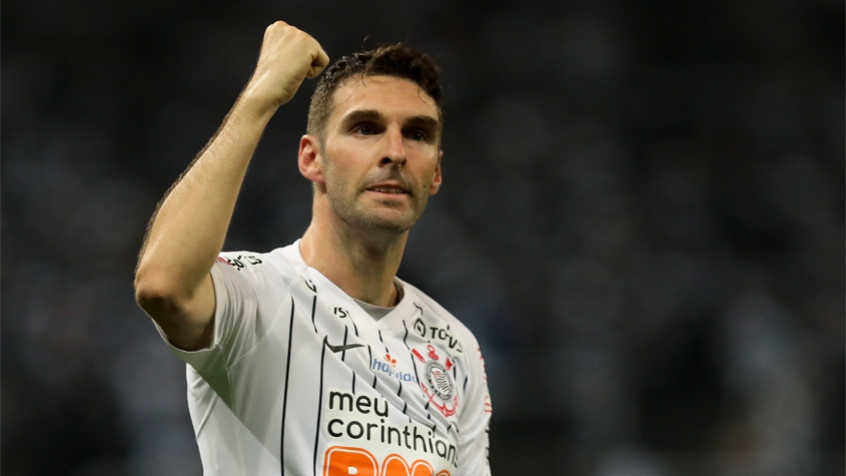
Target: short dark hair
column 392, row 60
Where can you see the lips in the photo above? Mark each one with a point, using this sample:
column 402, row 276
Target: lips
column 388, row 188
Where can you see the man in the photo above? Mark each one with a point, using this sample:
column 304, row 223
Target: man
column 314, row 358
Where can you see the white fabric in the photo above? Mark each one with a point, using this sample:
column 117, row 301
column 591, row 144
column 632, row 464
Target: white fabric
column 407, row 396
column 376, row 312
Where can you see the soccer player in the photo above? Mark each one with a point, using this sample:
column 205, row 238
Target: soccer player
column 314, row 358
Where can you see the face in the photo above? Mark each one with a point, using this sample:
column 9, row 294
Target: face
column 380, row 158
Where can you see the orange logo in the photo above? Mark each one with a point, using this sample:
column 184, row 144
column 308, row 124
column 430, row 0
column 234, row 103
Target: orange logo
column 346, row 460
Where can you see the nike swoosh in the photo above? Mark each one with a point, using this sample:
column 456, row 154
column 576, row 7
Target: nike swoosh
column 340, row 348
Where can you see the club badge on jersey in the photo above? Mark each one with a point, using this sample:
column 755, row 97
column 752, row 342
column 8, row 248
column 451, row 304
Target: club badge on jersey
column 438, row 383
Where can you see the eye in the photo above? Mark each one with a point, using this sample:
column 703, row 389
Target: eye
column 418, row 135
column 365, row 129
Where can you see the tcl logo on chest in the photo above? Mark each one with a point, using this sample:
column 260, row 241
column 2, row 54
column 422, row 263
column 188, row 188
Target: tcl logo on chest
column 440, row 334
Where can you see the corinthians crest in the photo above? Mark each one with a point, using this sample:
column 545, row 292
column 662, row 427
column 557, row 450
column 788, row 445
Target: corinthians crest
column 438, row 385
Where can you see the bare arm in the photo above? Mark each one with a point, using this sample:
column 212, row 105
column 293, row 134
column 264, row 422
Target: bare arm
column 173, row 282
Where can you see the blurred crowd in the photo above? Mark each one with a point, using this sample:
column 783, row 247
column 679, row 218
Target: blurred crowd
column 642, row 220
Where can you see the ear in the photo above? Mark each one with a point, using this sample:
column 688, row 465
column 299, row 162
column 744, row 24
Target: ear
column 436, row 181
column 309, row 159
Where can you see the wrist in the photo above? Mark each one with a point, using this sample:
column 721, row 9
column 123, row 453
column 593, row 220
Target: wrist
column 253, row 106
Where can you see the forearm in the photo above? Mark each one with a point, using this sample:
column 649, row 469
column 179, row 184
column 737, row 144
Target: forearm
column 172, row 281
column 190, row 225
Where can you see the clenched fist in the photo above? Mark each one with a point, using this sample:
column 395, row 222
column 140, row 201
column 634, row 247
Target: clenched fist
column 288, row 56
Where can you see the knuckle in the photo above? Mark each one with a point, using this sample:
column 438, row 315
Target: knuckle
column 277, row 25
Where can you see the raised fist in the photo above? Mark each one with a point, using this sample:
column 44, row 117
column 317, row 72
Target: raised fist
column 288, row 56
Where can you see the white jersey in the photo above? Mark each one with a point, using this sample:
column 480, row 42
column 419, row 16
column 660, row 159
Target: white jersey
column 299, row 380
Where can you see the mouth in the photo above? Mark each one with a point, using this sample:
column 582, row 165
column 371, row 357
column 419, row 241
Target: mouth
column 388, row 189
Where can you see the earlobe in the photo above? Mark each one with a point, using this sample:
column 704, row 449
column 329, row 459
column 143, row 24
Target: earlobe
column 308, row 159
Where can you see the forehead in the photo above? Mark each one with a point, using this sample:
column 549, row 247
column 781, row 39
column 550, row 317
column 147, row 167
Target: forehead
column 392, row 97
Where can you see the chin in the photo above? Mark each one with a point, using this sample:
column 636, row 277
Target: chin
column 388, row 220
column 379, row 218
column 390, row 224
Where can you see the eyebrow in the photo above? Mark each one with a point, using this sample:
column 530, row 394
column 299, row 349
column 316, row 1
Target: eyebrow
column 427, row 122
column 361, row 115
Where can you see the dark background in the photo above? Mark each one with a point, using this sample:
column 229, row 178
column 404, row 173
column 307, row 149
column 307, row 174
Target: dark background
column 642, row 221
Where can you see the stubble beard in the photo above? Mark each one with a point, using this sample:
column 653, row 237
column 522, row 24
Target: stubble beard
column 349, row 203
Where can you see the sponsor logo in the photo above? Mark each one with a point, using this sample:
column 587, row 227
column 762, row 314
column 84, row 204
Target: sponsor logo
column 438, row 388
column 239, row 262
column 346, row 460
column 420, row 327
column 363, row 433
column 388, row 366
column 439, row 334
column 339, row 348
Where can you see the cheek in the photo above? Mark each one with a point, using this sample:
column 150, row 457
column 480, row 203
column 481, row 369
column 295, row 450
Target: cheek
column 338, row 179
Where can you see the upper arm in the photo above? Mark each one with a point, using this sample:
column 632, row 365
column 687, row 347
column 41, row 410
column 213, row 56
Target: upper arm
column 186, row 320
column 229, row 314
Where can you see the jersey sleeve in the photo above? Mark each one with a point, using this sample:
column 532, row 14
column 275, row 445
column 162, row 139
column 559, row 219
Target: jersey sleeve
column 248, row 295
column 473, row 443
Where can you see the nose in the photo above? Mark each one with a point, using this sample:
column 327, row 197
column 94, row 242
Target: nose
column 395, row 148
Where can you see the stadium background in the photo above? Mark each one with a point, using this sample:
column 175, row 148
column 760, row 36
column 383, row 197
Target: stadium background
column 642, row 221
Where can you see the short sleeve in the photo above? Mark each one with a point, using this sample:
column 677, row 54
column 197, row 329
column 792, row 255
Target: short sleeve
column 248, row 294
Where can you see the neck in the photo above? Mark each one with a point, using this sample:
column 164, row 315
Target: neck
column 361, row 262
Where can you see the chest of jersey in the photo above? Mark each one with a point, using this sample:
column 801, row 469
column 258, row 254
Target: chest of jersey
column 352, row 391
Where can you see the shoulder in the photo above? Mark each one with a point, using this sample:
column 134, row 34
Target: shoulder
column 273, row 268
column 437, row 323
column 241, row 260
column 442, row 328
